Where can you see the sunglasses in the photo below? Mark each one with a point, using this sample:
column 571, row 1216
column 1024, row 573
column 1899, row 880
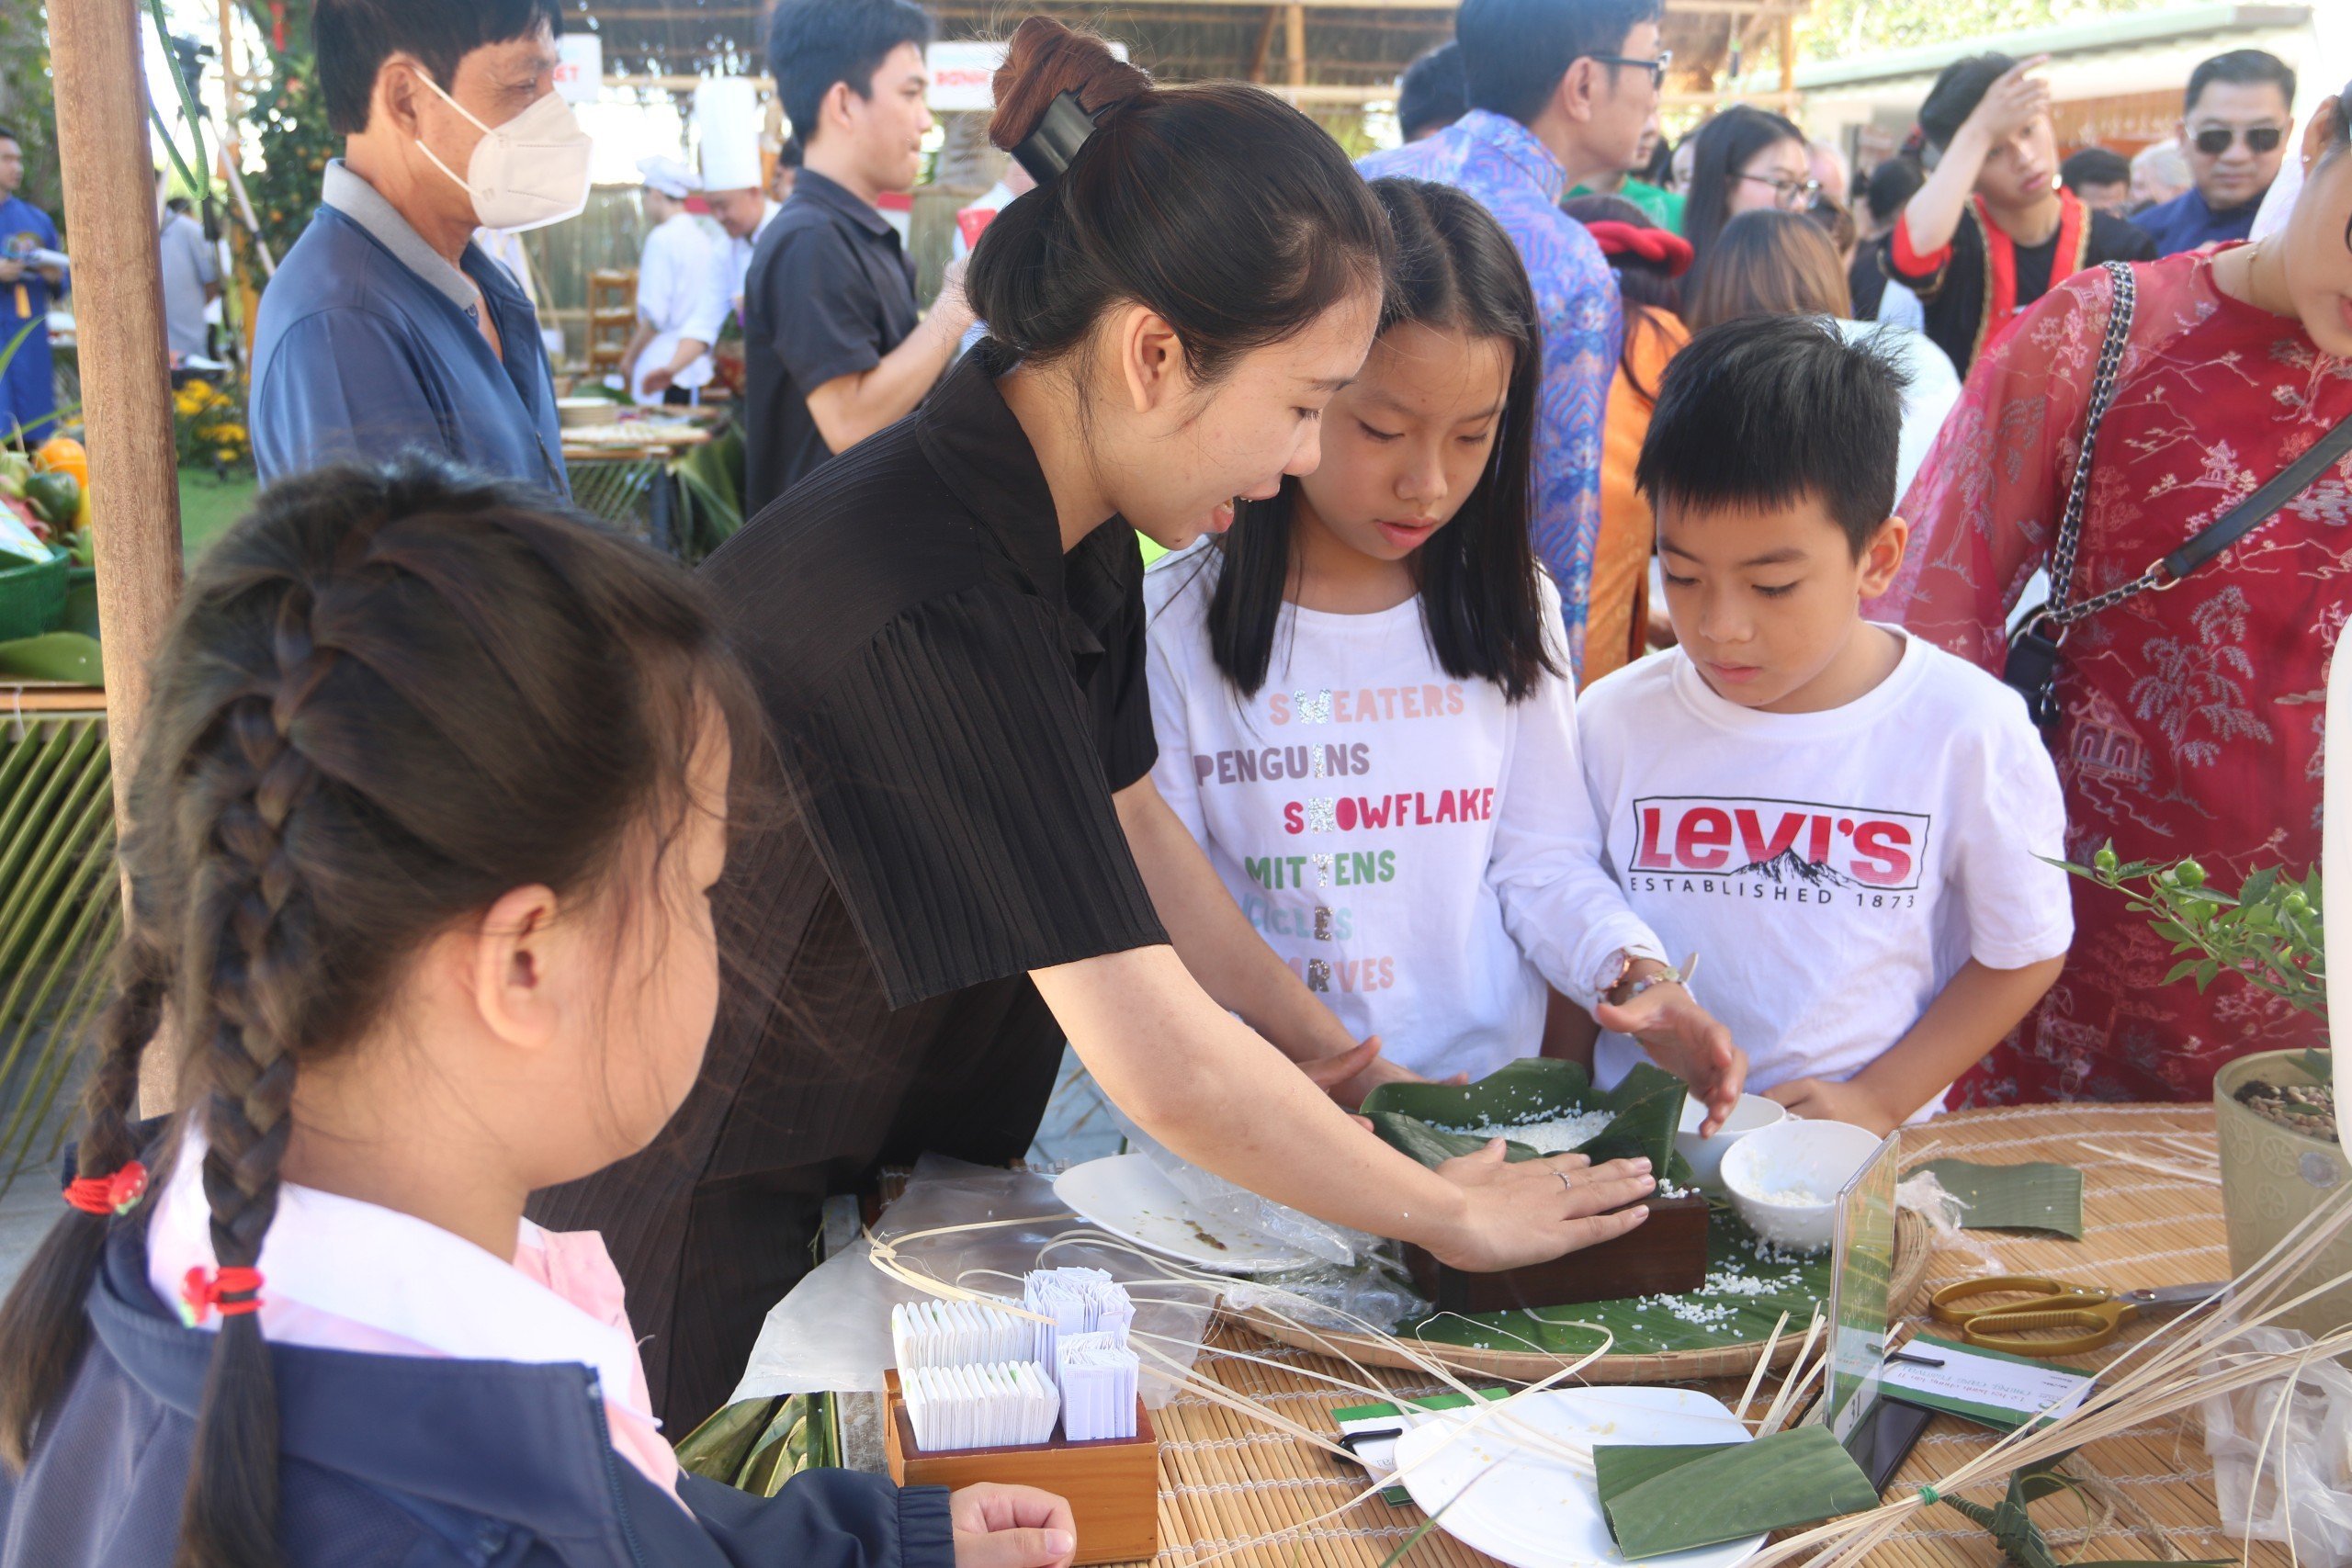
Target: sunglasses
column 2214, row 139
column 1657, row 67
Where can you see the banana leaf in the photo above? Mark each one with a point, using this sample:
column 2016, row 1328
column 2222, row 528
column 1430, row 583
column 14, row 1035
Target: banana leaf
column 710, row 494
column 719, row 1449
column 779, row 1453
column 60, row 919
column 1426, row 1121
column 1749, row 1284
column 2034, row 1196
column 1672, row 1499
column 798, row 1437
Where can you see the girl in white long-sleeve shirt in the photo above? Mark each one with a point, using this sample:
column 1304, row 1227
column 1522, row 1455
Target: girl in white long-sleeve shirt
column 1362, row 708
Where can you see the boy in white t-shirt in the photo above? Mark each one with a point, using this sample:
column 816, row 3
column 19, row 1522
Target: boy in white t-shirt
column 1845, row 822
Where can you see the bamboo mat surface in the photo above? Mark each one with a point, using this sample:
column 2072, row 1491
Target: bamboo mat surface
column 1242, row 1493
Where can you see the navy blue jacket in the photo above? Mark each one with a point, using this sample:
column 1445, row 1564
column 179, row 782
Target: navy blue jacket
column 2184, row 223
column 409, row 1462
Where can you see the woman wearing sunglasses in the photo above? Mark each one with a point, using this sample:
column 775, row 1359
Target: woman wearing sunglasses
column 2188, row 697
column 1743, row 160
column 1992, row 230
column 2234, row 131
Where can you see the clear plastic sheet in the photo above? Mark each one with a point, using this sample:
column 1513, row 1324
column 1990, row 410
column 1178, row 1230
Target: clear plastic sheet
column 2279, row 1460
column 832, row 1332
column 1238, row 1209
column 1370, row 1290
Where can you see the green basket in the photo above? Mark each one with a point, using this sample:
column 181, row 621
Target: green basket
column 33, row 597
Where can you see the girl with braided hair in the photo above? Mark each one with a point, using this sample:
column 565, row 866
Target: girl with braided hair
column 434, row 796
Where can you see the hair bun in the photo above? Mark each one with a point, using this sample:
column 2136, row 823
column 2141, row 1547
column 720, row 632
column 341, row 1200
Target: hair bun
column 1046, row 58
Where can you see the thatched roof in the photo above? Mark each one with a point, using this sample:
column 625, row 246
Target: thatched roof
column 1358, row 46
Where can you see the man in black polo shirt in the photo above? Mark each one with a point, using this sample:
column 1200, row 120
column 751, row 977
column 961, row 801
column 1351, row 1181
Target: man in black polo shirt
column 833, row 350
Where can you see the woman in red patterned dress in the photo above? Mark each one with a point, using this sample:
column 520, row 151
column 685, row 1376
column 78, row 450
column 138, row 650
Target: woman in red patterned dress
column 2191, row 717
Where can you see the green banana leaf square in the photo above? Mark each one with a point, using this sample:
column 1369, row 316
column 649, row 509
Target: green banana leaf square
column 1429, row 1120
column 2034, row 1196
column 1676, row 1498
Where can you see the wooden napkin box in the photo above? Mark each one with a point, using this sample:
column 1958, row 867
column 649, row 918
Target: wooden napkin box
column 1113, row 1487
column 1666, row 1254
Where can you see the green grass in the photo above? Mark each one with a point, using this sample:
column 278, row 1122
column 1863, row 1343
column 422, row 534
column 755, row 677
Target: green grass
column 208, row 506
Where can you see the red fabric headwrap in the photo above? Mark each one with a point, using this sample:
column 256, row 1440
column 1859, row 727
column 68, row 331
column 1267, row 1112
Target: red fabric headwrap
column 1651, row 245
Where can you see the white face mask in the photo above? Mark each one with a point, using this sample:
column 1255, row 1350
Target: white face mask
column 528, row 173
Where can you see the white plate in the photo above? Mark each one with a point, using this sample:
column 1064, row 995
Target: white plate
column 1522, row 1505
column 1126, row 1195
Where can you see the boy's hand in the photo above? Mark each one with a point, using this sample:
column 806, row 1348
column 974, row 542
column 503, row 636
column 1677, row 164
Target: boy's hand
column 2013, row 102
column 1687, row 1041
column 1352, row 1075
column 1011, row 1526
column 1822, row 1100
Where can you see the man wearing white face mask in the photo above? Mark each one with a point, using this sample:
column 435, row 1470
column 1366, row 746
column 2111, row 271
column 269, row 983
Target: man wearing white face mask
column 387, row 329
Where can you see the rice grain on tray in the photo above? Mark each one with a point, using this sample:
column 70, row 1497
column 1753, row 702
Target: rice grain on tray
column 1559, row 1136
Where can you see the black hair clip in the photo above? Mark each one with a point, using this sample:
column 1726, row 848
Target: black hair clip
column 1048, row 150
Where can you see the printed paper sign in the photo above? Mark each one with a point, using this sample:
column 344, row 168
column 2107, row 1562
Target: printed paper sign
column 963, row 75
column 1992, row 1387
column 580, row 68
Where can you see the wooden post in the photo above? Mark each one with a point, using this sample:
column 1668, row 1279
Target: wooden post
column 1294, row 38
column 1787, row 58
column 1257, row 71
column 126, row 389
column 229, row 105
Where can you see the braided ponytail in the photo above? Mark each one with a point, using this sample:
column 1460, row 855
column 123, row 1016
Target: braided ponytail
column 41, row 1327
column 391, row 697
column 254, row 902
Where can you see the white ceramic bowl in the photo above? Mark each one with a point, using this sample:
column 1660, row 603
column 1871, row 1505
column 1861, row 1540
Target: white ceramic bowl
column 1752, row 1114
column 1818, row 1157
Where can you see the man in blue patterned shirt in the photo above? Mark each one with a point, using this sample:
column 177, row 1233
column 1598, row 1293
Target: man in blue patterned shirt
column 1559, row 91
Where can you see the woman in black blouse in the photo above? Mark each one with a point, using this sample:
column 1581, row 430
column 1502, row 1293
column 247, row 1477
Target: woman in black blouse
column 949, row 642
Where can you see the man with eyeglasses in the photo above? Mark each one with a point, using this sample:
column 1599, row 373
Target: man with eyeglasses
column 1559, row 91
column 2233, row 127
column 1991, row 230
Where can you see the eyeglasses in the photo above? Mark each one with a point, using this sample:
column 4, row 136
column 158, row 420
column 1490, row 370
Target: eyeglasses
column 2214, row 139
column 1656, row 68
column 1787, row 192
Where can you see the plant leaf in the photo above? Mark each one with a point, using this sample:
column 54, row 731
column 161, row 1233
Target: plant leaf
column 718, row 1448
column 2030, row 1196
column 1796, row 1477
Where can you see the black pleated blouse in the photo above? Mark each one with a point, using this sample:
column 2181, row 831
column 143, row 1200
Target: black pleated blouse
column 955, row 702
column 954, row 699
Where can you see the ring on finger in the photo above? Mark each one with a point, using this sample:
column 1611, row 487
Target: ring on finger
column 1564, row 1179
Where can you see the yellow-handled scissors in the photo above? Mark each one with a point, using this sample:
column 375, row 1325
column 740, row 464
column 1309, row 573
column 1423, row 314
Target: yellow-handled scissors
column 2039, row 1303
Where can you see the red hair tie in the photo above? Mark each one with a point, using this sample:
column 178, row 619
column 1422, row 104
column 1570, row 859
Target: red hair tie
column 232, row 1293
column 1655, row 245
column 104, row 1195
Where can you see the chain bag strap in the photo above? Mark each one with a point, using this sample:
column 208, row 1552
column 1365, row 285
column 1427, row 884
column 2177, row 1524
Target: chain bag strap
column 2033, row 651
column 2032, row 666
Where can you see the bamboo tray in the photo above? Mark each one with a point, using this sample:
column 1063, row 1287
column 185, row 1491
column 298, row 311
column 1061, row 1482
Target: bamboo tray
column 1914, row 1242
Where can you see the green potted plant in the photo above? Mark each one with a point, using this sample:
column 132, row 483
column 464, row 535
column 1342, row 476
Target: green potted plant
column 2275, row 1112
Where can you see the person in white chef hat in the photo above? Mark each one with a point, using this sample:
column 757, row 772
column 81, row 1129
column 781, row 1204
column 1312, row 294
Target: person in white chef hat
column 669, row 359
column 727, row 123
